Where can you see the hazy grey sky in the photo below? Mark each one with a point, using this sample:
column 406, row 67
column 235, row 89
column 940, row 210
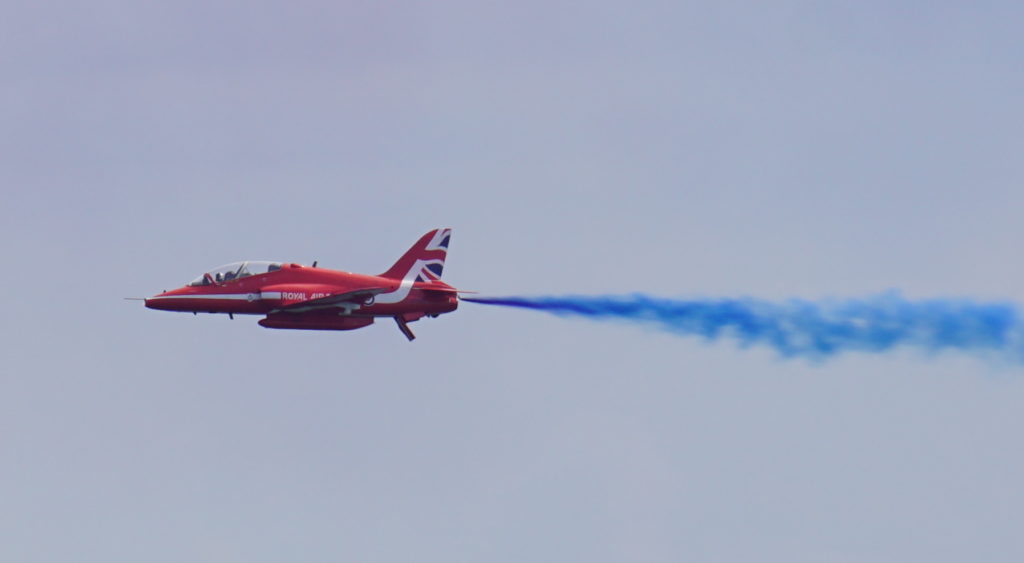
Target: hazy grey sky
column 741, row 148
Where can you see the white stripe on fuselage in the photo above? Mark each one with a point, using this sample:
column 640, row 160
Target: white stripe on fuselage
column 397, row 295
column 386, row 298
column 405, row 287
column 255, row 296
column 231, row 296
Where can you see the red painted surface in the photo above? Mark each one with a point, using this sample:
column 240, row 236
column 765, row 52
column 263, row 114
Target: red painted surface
column 314, row 321
column 300, row 297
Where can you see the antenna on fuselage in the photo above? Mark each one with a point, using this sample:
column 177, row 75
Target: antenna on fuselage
column 314, row 263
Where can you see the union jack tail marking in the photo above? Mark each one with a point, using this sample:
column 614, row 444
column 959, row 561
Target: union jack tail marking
column 424, row 262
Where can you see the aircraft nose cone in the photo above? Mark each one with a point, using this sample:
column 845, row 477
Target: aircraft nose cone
column 156, row 302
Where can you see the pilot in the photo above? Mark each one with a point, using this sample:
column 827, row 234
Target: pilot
column 218, row 279
column 229, row 276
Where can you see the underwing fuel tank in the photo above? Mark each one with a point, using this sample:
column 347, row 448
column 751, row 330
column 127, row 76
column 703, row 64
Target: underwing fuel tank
column 315, row 322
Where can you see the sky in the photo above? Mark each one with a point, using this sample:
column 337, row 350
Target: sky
column 683, row 149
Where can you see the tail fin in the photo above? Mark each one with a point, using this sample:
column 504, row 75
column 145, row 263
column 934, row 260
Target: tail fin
column 425, row 260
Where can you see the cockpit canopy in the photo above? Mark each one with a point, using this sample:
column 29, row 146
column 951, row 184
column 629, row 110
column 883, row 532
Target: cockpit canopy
column 234, row 271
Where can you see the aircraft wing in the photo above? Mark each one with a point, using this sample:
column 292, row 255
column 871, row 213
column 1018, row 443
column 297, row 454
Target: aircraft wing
column 349, row 300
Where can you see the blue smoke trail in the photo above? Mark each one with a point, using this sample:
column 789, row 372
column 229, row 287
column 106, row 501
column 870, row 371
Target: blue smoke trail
column 815, row 330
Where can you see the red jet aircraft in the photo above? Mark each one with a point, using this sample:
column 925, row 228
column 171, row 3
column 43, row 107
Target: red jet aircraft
column 304, row 297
